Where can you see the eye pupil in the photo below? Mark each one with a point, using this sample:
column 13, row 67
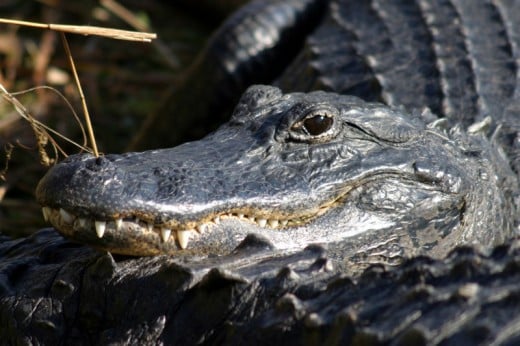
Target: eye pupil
column 317, row 125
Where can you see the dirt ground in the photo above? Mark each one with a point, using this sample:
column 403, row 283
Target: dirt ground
column 123, row 83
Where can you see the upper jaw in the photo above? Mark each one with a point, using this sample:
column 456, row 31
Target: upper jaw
column 216, row 232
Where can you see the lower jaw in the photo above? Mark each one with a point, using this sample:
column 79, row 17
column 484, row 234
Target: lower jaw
column 137, row 238
column 132, row 236
column 218, row 237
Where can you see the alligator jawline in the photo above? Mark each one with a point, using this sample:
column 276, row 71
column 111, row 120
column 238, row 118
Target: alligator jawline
column 71, row 223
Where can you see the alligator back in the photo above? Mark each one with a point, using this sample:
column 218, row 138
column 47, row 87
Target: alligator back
column 458, row 58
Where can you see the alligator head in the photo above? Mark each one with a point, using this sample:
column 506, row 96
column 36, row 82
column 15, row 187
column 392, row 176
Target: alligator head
column 295, row 169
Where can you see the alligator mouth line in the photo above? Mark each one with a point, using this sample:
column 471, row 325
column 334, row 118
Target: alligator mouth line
column 70, row 223
column 181, row 235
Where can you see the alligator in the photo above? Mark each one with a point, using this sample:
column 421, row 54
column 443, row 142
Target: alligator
column 266, row 223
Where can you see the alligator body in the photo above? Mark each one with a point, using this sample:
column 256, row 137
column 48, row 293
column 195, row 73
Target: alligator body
column 372, row 183
column 56, row 292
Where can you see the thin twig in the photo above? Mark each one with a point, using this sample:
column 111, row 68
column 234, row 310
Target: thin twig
column 72, row 111
column 40, row 129
column 88, row 30
column 24, row 113
column 90, row 129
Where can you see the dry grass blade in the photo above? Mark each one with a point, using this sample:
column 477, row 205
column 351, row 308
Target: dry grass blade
column 41, row 131
column 88, row 30
column 86, row 114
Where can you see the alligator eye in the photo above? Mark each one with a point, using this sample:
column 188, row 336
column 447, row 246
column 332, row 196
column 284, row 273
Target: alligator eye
column 317, row 124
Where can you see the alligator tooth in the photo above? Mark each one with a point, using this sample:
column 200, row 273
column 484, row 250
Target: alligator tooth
column 216, row 220
column 46, row 211
column 82, row 222
column 240, row 215
column 149, row 226
column 262, row 222
column 119, row 223
column 165, row 234
column 284, row 223
column 251, row 218
column 66, row 216
column 100, row 228
column 184, row 237
column 273, row 223
column 201, row 228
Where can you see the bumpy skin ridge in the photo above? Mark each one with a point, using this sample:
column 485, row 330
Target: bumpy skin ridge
column 455, row 70
column 491, row 54
column 454, row 64
column 422, row 302
column 69, row 294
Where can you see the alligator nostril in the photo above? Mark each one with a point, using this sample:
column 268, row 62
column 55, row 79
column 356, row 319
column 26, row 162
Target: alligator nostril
column 97, row 164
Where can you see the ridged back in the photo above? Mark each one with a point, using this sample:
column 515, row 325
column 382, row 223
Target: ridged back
column 460, row 58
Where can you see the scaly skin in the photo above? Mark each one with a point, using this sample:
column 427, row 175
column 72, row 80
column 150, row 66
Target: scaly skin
column 296, row 169
column 55, row 292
